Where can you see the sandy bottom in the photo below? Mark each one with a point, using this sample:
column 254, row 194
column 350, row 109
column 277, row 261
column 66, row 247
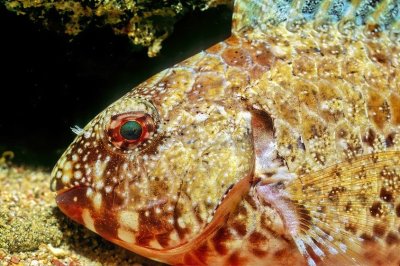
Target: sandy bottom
column 34, row 232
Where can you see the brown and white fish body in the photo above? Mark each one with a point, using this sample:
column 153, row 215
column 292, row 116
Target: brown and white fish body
column 277, row 146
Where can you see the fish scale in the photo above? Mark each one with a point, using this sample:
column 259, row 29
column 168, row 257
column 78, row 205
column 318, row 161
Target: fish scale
column 277, row 146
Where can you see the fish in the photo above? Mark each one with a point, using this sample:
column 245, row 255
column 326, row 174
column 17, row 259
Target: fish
column 277, row 146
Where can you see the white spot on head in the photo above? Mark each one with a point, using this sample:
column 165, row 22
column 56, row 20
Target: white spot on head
column 209, row 200
column 174, row 236
column 129, row 219
column 155, row 244
column 66, row 178
column 78, row 175
column 88, row 171
column 99, row 184
column 59, row 174
column 89, row 192
column 97, row 201
column 67, row 166
column 100, row 167
column 108, row 189
column 126, row 236
column 88, row 220
column 181, row 223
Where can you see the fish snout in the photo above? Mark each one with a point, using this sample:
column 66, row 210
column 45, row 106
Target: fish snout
column 68, row 174
column 72, row 188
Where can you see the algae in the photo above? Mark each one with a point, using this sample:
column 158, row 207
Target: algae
column 146, row 22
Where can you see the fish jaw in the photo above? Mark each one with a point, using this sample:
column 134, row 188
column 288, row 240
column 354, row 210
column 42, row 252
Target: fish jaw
column 74, row 204
column 68, row 203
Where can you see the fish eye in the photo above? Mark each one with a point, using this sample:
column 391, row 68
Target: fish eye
column 129, row 130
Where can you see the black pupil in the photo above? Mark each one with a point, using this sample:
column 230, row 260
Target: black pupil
column 131, row 130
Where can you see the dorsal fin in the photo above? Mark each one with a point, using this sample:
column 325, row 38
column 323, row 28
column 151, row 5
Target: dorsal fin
column 263, row 14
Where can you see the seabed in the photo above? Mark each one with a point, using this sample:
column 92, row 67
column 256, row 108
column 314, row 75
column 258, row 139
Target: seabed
column 34, row 232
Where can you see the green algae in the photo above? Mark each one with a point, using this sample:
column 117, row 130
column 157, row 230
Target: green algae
column 25, row 233
column 26, row 219
column 146, row 22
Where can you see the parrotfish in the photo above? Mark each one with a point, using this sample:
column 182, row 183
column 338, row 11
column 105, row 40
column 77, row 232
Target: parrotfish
column 277, row 146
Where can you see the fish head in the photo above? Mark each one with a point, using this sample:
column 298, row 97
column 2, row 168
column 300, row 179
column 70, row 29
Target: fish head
column 159, row 169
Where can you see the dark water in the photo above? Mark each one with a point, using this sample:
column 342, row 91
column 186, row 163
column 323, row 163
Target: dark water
column 49, row 83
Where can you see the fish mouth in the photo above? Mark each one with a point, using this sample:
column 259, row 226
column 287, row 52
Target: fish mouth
column 72, row 202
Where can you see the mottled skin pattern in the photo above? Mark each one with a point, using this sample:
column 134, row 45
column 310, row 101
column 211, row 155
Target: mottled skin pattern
column 269, row 148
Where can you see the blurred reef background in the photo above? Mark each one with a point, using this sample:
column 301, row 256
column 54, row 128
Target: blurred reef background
column 62, row 63
column 146, row 23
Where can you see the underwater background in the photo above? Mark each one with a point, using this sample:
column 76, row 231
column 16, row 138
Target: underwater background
column 51, row 81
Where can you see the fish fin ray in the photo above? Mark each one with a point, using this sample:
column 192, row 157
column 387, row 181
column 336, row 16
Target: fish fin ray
column 341, row 207
column 263, row 14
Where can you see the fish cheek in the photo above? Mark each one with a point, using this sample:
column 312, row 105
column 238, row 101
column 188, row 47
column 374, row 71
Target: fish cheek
column 204, row 158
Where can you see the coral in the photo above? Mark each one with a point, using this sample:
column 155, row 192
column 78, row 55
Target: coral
column 147, row 23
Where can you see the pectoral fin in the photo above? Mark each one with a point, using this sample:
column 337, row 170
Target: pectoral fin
column 347, row 213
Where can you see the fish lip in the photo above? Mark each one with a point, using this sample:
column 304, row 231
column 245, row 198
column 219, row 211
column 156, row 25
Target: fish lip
column 72, row 201
column 57, row 186
column 53, row 181
column 63, row 193
column 66, row 189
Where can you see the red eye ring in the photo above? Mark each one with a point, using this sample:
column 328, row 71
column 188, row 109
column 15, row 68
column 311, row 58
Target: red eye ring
column 129, row 130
